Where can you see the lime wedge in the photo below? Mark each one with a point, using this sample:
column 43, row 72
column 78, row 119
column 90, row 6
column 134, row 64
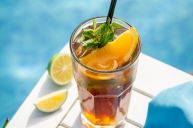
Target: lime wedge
column 60, row 69
column 51, row 102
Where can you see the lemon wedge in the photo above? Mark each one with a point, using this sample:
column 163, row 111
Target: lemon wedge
column 51, row 102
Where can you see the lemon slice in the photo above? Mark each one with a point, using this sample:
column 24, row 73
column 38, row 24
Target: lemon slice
column 60, row 69
column 51, row 102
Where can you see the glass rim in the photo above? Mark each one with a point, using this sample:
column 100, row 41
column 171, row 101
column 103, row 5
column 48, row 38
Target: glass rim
column 103, row 71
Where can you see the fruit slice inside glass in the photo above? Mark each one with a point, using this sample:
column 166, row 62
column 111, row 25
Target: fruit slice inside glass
column 105, row 76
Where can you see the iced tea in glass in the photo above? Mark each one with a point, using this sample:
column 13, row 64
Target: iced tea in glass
column 105, row 75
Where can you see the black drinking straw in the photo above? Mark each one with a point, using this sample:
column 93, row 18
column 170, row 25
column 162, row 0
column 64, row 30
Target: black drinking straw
column 111, row 10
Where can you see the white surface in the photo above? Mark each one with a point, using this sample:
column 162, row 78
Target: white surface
column 152, row 77
column 73, row 117
column 138, row 107
column 28, row 117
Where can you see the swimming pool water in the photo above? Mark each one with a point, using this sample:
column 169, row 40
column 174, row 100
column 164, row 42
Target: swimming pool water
column 32, row 31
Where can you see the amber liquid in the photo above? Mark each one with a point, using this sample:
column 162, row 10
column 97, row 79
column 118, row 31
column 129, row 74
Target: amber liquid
column 104, row 102
column 104, row 98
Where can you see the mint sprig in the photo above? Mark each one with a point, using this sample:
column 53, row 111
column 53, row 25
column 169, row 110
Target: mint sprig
column 5, row 123
column 98, row 36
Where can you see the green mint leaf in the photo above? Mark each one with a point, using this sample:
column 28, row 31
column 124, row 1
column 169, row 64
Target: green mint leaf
column 98, row 36
column 99, row 29
column 88, row 33
column 91, row 43
column 108, row 21
column 116, row 25
column 5, row 123
column 106, row 34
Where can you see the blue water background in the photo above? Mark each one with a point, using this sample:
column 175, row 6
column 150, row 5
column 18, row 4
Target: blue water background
column 32, row 31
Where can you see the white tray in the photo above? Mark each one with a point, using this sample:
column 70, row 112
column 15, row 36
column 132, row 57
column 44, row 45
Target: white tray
column 152, row 77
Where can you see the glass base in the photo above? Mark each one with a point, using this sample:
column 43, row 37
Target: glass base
column 89, row 124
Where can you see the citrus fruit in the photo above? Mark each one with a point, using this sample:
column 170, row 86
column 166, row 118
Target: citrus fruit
column 114, row 54
column 94, row 75
column 60, row 69
column 51, row 102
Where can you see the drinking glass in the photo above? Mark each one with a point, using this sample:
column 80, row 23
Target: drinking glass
column 104, row 95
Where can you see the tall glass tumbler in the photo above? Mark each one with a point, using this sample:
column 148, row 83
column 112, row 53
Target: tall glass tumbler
column 104, row 95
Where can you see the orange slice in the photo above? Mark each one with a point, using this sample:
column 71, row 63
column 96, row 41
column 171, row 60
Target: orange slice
column 115, row 53
column 97, row 76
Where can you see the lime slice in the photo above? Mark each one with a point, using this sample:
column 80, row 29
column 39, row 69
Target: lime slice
column 51, row 102
column 60, row 69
